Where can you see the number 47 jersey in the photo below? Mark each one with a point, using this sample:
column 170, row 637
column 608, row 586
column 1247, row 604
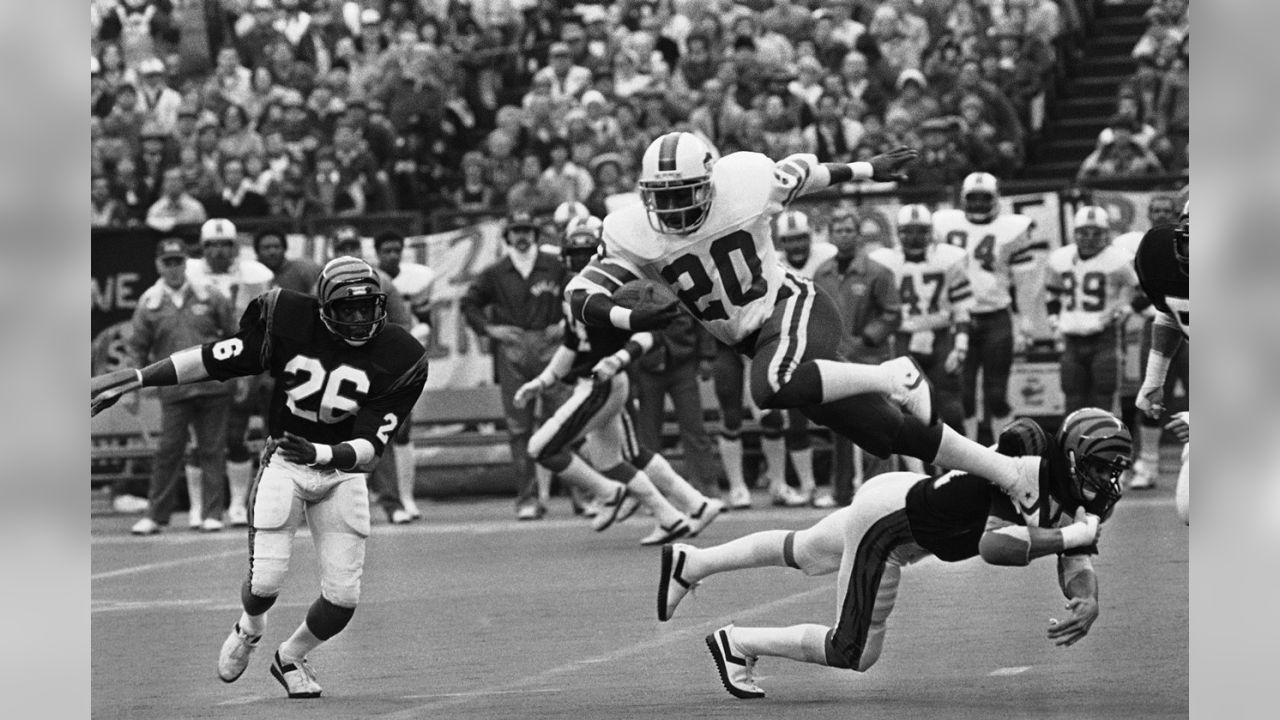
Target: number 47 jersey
column 726, row 272
column 326, row 390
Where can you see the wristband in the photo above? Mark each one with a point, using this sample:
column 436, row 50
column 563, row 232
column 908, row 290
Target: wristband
column 620, row 317
column 1076, row 535
column 324, row 455
column 862, row 170
column 546, row 380
column 624, row 357
column 962, row 342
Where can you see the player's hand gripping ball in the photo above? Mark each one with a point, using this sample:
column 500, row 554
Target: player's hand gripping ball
column 653, row 305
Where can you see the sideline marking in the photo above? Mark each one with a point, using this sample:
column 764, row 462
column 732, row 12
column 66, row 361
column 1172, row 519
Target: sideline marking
column 135, row 569
column 1006, row 671
column 481, row 692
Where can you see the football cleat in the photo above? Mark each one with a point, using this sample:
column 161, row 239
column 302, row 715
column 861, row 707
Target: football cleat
column 399, row 516
column 211, row 525
column 298, row 679
column 735, row 667
column 787, row 496
column 622, row 506
column 822, row 501
column 238, row 516
column 129, row 504
column 1143, row 476
column 711, row 508
column 740, row 498
column 912, row 389
column 672, row 585
column 145, row 526
column 530, row 512
column 663, row 534
column 234, row 657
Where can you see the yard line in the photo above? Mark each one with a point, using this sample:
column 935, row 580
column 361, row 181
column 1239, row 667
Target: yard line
column 680, row 636
column 1005, row 671
column 135, row 569
column 478, row 693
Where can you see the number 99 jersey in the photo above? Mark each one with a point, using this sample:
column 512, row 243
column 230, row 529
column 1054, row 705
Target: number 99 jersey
column 727, row 272
column 326, row 390
column 1090, row 291
column 994, row 249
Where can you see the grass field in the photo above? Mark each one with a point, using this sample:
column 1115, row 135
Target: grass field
column 469, row 614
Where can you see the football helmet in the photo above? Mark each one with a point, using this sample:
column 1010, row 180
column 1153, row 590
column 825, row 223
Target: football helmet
column 1182, row 240
column 915, row 231
column 352, row 303
column 581, row 239
column 980, row 197
column 675, row 183
column 792, row 235
column 567, row 211
column 1098, row 449
column 1092, row 231
column 217, row 230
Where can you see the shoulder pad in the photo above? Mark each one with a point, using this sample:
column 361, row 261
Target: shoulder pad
column 886, row 256
column 287, row 313
column 949, row 254
column 252, row 271
column 1015, row 224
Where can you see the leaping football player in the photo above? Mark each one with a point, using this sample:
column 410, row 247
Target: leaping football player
column 346, row 381
column 1163, row 264
column 704, row 230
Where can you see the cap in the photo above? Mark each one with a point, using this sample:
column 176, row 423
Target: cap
column 151, row 66
column 559, row 48
column 911, row 74
column 345, row 235
column 171, row 247
column 593, row 96
column 217, row 229
column 264, row 5
column 369, row 16
column 94, row 66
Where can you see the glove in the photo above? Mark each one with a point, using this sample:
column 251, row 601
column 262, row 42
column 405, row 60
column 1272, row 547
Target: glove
column 888, row 166
column 527, row 392
column 654, row 318
column 1151, row 400
column 296, row 449
column 106, row 390
column 1081, row 533
column 1180, row 426
column 954, row 361
column 608, row 366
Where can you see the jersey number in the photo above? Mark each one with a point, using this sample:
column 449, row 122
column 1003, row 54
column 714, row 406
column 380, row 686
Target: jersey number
column 701, row 285
column 318, row 395
column 911, row 298
column 984, row 252
column 1093, row 287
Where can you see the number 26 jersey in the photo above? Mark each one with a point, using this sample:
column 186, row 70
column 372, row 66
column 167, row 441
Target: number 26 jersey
column 727, row 272
column 326, row 390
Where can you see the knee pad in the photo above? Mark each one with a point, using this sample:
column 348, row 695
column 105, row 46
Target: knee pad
column 253, row 603
column 802, row 389
column 622, row 472
column 553, row 461
column 326, row 618
column 642, row 457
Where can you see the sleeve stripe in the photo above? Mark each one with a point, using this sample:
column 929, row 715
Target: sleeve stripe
column 601, row 278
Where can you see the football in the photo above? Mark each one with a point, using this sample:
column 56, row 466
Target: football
column 644, row 293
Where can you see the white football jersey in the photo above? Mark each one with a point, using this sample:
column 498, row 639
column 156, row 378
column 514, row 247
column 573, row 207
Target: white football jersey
column 994, row 250
column 1091, row 291
column 935, row 293
column 727, row 272
column 819, row 253
column 245, row 280
column 414, row 284
column 1128, row 242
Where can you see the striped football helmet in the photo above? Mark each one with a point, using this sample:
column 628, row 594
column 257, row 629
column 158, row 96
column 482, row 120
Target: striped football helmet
column 1182, row 240
column 980, row 197
column 1098, row 449
column 1092, row 230
column 915, row 231
column 675, row 183
column 352, row 303
column 581, row 239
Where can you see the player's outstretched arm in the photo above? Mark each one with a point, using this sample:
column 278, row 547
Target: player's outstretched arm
column 184, row 366
column 802, row 174
column 1007, row 544
column 1080, row 586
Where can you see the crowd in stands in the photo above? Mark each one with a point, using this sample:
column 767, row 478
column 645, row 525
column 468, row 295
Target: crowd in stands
column 330, row 107
column 1148, row 133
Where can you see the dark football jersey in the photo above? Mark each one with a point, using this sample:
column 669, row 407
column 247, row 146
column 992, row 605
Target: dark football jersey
column 326, row 390
column 1046, row 512
column 948, row 514
column 591, row 343
column 1162, row 278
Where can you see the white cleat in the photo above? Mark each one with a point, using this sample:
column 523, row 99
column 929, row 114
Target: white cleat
column 297, row 677
column 912, row 390
column 788, row 496
column 194, row 521
column 822, row 501
column 1144, row 476
column 211, row 525
column 740, row 499
column 622, row 506
column 145, row 526
column 672, row 585
column 734, row 666
column 238, row 516
column 663, row 534
column 234, row 657
column 412, row 508
column 129, row 504
column 710, row 510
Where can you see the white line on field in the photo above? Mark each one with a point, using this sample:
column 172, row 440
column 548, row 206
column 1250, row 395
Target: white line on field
column 135, row 569
column 478, row 693
column 243, row 700
column 1009, row 671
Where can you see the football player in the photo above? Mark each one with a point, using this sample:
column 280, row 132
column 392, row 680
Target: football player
column 346, row 380
column 1001, row 256
column 900, row 518
column 590, row 359
column 242, row 279
column 1090, row 287
column 704, row 229
column 1161, row 210
column 936, row 297
column 414, row 282
column 1163, row 264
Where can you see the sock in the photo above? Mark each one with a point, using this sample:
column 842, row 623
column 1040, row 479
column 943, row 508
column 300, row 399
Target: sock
column 998, row 424
column 858, row 475
column 301, row 642
column 1149, row 446
column 406, row 474
column 775, row 454
column 253, row 624
column 543, row 477
column 803, row 643
column 731, row 457
column 671, row 484
column 239, row 475
column 971, row 428
column 844, row 379
column 195, row 491
column 802, row 461
column 588, row 479
column 915, row 465
column 1182, row 494
column 759, row 549
column 957, row 452
column 663, row 511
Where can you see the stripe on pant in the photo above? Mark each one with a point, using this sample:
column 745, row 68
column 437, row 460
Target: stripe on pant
column 263, row 460
column 578, row 419
column 880, row 540
column 795, row 323
column 631, row 441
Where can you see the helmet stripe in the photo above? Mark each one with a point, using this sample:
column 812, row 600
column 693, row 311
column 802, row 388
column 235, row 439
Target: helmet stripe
column 667, row 152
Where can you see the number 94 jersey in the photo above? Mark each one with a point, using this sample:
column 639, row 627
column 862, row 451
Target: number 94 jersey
column 995, row 249
column 727, row 272
column 326, row 390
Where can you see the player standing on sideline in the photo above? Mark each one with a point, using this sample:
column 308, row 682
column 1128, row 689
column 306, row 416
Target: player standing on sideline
column 898, row 519
column 705, row 232
column 1000, row 248
column 591, row 359
column 413, row 281
column 345, row 382
column 1163, row 264
column 936, row 297
column 1090, row 287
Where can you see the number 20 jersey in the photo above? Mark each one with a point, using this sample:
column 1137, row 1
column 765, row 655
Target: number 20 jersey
column 326, row 390
column 727, row 272
column 994, row 248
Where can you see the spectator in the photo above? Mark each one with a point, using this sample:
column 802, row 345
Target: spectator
column 1160, row 32
column 529, row 194
column 718, row 116
column 104, row 209
column 187, row 129
column 238, row 199
column 807, row 86
column 899, row 50
column 1173, row 117
column 357, row 166
column 828, row 48
column 101, row 95
column 832, row 136
column 200, row 181
column 297, row 274
column 610, row 179
column 942, row 66
column 172, row 315
column 912, row 98
column 292, row 201
column 415, row 97
column 112, row 68
column 516, row 303
column 328, row 192
column 941, row 162
column 237, row 137
column 175, row 206
column 569, row 182
column 231, row 82
column 781, row 128
column 132, row 193
column 697, row 65
column 858, row 84
column 1121, row 157
column 156, row 99
column 475, row 194
column 1002, row 114
column 256, row 32
column 627, row 78
column 567, row 79
column 142, row 27
column 379, row 138
column 976, row 137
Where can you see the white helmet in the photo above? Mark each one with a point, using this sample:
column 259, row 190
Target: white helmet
column 980, row 197
column 915, row 230
column 1091, row 228
column 675, row 183
column 217, row 229
column 581, row 239
column 567, row 211
column 790, row 223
